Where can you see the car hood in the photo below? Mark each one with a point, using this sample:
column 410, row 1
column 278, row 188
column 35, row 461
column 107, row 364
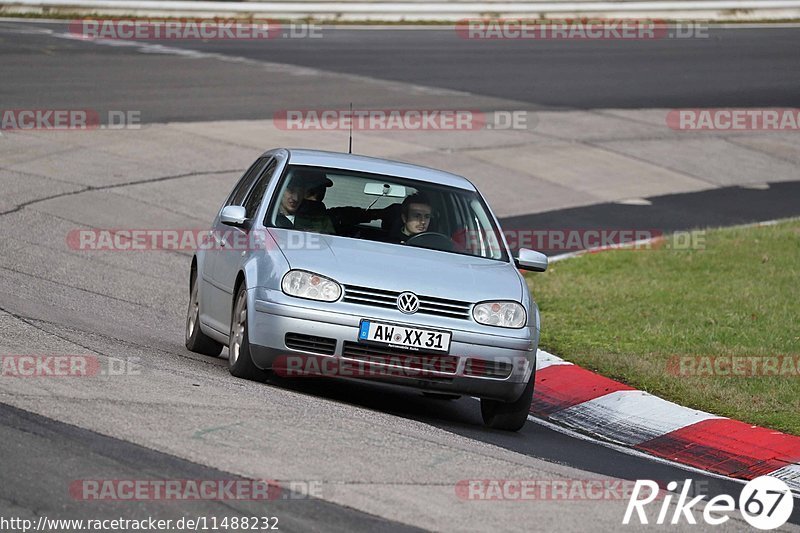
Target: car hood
column 400, row 268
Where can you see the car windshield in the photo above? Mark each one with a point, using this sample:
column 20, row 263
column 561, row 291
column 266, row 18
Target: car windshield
column 386, row 209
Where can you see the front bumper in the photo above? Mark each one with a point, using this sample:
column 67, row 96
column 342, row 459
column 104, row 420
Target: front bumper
column 277, row 314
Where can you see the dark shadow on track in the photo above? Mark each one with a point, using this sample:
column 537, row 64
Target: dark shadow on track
column 726, row 206
column 60, row 454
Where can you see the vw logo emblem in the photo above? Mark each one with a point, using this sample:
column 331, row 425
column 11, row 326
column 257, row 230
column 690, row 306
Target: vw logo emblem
column 408, row 303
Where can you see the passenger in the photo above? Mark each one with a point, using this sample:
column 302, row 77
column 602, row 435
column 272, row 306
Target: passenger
column 290, row 202
column 296, row 211
column 343, row 218
column 317, row 185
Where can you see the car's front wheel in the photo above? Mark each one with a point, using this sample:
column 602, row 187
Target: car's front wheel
column 240, row 363
column 509, row 416
column 195, row 340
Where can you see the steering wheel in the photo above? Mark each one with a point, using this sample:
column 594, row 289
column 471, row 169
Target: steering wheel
column 432, row 239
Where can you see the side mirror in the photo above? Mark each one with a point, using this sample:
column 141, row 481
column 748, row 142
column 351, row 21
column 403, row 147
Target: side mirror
column 531, row 260
column 233, row 215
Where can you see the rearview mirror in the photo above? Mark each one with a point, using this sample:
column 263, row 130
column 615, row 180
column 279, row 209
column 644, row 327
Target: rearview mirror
column 384, row 189
column 531, row 260
column 233, row 215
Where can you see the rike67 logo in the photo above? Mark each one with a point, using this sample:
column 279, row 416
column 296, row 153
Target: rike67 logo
column 765, row 503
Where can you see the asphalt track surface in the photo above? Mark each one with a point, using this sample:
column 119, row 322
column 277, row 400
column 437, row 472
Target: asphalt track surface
column 731, row 67
column 77, row 437
column 737, row 67
column 59, row 454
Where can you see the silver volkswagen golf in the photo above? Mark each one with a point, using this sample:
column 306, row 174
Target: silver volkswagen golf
column 330, row 264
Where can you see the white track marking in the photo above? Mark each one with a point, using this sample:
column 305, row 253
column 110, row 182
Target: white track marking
column 629, row 416
column 545, row 359
column 791, row 476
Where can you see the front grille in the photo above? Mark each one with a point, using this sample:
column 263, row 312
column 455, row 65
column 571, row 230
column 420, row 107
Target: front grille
column 428, row 305
column 420, row 363
column 310, row 343
column 488, row 369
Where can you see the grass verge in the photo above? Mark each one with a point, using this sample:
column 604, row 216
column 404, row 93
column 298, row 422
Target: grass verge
column 671, row 321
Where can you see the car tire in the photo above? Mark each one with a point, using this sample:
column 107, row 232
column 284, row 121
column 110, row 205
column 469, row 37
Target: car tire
column 508, row 416
column 240, row 363
column 441, row 396
column 195, row 340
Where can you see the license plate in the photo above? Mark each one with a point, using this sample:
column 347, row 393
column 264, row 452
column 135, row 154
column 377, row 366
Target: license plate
column 413, row 339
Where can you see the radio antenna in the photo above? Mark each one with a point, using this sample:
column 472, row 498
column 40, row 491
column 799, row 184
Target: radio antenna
column 350, row 148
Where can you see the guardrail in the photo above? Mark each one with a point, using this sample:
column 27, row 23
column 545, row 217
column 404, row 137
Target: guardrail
column 420, row 11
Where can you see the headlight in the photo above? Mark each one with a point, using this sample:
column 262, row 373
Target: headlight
column 501, row 314
column 304, row 284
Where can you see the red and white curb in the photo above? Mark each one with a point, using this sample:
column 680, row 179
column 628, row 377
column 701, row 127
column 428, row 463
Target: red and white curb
column 579, row 399
column 576, row 398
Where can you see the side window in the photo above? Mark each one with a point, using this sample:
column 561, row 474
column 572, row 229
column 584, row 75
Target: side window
column 257, row 192
column 246, row 183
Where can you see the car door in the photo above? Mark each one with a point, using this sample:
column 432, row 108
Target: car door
column 231, row 252
column 214, row 297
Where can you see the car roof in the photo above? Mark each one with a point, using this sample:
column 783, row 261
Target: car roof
column 321, row 158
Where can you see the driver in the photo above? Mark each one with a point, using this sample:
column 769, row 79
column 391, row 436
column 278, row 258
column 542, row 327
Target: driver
column 416, row 216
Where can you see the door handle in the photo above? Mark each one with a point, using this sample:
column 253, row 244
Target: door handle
column 219, row 240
